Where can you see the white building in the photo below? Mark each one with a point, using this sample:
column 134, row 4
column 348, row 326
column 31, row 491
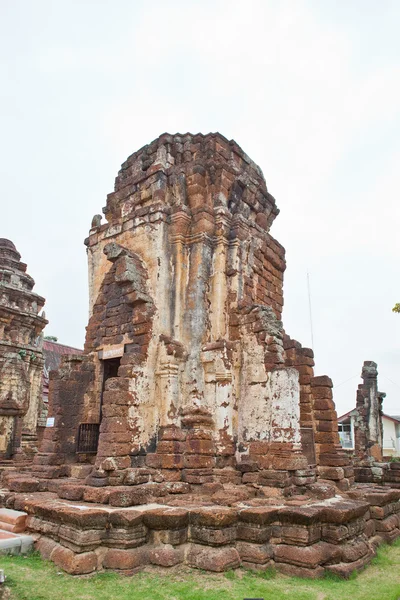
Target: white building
column 391, row 432
column 391, row 435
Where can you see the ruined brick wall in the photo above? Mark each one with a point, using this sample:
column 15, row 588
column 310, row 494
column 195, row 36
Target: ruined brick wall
column 21, row 360
column 318, row 418
column 73, row 399
column 123, row 309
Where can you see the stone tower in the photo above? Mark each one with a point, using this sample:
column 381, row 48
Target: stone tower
column 21, row 360
column 187, row 369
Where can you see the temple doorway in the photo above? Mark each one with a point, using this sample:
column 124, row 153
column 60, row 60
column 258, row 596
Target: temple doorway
column 88, row 433
column 110, row 369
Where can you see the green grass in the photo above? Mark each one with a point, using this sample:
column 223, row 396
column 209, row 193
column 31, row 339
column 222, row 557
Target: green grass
column 31, row 578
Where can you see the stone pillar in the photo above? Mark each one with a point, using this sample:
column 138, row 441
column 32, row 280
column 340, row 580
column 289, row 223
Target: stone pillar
column 180, row 222
column 195, row 316
column 218, row 281
column 168, row 392
column 368, row 427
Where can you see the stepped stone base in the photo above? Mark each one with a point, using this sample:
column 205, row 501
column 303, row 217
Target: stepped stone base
column 125, row 530
column 384, row 473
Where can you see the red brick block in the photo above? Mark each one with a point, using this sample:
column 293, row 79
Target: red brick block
column 213, row 559
column 196, row 461
column 309, row 557
column 321, row 393
column 194, row 446
column 254, row 553
column 122, row 560
column 75, row 564
column 128, row 496
column 322, row 380
column 170, row 447
column 213, row 517
column 45, row 546
column 166, row 518
column 166, row 556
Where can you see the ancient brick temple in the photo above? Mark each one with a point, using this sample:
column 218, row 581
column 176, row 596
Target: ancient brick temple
column 191, row 414
column 21, row 359
column 187, row 368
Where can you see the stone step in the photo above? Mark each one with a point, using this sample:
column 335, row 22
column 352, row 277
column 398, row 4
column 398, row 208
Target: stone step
column 79, row 471
column 46, row 472
column 5, row 471
column 14, row 543
column 12, row 520
column 23, row 484
column 11, row 473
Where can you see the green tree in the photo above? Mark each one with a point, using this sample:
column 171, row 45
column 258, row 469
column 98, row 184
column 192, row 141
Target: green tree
column 396, row 307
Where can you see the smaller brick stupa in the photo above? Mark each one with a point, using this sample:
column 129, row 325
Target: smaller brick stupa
column 21, row 359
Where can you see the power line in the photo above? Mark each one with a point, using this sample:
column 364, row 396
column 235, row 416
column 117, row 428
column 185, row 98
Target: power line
column 310, row 311
column 391, row 381
column 350, row 378
column 345, row 381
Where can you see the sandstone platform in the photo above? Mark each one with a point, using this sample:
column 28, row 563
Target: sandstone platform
column 300, row 536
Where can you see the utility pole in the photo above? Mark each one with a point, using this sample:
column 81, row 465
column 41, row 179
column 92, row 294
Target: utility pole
column 310, row 311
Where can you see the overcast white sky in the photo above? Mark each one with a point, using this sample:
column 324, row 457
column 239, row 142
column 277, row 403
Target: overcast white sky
column 309, row 89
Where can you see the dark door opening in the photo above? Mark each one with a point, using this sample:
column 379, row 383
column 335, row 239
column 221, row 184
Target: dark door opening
column 88, row 438
column 110, row 368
